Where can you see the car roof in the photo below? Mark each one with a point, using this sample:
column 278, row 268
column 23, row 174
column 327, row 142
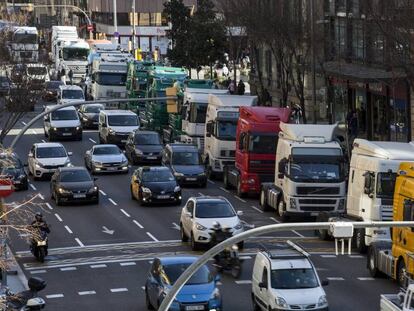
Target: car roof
column 72, row 168
column 177, row 259
column 70, row 87
column 153, row 168
column 137, row 132
column 207, row 198
column 93, row 105
column 104, row 145
column 182, row 147
column 44, row 145
column 282, row 264
column 118, row 111
column 63, row 108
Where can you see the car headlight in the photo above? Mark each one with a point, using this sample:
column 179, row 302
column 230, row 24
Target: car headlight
column 21, row 176
column 215, row 294
column 177, row 188
column 63, row 191
column 146, row 190
column 78, row 128
column 38, row 164
column 238, row 226
column 292, row 203
column 200, row 227
column 137, row 151
column 176, row 174
column 111, row 131
column 54, row 128
column 202, row 174
column 281, row 302
column 97, row 163
column 85, row 119
column 93, row 189
column 67, row 163
column 322, row 301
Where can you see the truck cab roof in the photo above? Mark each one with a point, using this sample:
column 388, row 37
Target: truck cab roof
column 70, row 87
column 200, row 95
column 231, row 100
column 308, row 133
column 384, row 149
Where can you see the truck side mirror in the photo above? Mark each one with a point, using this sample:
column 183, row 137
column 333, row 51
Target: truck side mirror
column 368, row 184
column 209, row 129
column 282, row 168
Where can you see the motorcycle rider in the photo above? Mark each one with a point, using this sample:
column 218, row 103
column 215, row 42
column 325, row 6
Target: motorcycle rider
column 40, row 227
column 219, row 235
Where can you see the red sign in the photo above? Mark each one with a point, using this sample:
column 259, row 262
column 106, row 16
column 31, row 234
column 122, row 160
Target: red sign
column 6, row 187
column 90, row 27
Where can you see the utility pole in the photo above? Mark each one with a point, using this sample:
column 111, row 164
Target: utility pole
column 115, row 21
column 313, row 56
column 134, row 34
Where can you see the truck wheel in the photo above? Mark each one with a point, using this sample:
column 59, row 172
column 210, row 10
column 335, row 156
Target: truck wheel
column 281, row 210
column 323, row 234
column 372, row 263
column 360, row 241
column 240, row 193
column 401, row 274
column 226, row 180
column 263, row 201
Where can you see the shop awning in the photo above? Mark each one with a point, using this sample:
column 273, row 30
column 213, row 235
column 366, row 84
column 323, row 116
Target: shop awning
column 360, row 73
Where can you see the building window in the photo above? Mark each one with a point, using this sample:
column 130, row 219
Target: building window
column 358, row 40
column 144, row 19
column 340, row 6
column 269, row 66
column 378, row 44
column 156, row 19
column 340, row 36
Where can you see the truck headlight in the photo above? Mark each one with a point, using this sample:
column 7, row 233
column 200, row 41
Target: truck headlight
column 292, row 203
column 281, row 302
column 341, row 204
column 322, row 301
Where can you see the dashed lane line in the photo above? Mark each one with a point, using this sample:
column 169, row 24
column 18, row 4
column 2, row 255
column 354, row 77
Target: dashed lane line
column 224, row 189
column 79, row 242
column 103, row 193
column 211, row 182
column 366, row 279
column 98, row 266
column 123, row 264
column 152, row 237
column 201, row 194
column 139, row 225
column 54, row 296
column 294, row 231
column 32, row 186
column 24, row 123
column 356, row 256
column 38, row 272
column 58, row 217
column 68, row 230
column 125, row 213
column 328, row 256
column 43, row 141
column 34, row 132
column 88, row 292
column 113, row 202
column 68, row 269
column 119, row 290
column 257, row 209
column 241, row 282
column 335, row 278
column 240, row 199
column 92, row 140
column 41, row 196
column 49, row 206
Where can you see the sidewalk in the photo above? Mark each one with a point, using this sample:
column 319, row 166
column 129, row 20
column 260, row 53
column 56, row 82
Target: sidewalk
column 16, row 280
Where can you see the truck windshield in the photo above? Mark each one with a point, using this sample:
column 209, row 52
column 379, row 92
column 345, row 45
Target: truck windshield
column 106, row 78
column 72, row 94
column 294, row 278
column 263, row 144
column 75, row 54
column 37, row 70
column 386, row 184
column 25, row 38
column 226, row 130
column 315, row 171
column 198, row 113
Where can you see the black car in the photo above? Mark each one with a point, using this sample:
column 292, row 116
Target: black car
column 89, row 115
column 4, row 85
column 12, row 167
column 73, row 184
column 144, row 147
column 18, row 72
column 185, row 163
column 155, row 185
column 51, row 90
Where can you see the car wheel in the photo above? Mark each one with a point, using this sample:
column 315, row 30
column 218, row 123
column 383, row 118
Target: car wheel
column 100, row 140
column 254, row 303
column 79, row 137
column 147, row 301
column 184, row 237
column 194, row 244
column 226, row 180
column 57, row 200
column 209, row 172
column 26, row 186
column 51, row 137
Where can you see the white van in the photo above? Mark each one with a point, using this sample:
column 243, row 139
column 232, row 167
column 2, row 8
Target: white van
column 62, row 124
column 115, row 126
column 284, row 278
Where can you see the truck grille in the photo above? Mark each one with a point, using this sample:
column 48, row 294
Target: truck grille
column 264, row 166
column 316, row 201
column 317, row 190
column 386, row 212
column 228, row 153
column 317, row 208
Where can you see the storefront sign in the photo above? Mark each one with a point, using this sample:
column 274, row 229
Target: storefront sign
column 377, row 88
column 152, row 31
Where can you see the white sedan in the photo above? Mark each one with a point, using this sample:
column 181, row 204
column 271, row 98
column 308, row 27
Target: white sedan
column 200, row 213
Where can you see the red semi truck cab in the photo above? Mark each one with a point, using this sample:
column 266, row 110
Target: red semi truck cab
column 256, row 141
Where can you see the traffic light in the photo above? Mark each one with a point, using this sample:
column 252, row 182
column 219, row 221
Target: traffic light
column 172, row 106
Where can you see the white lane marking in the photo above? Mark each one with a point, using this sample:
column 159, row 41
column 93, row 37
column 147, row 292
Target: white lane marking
column 356, row 256
column 257, row 209
column 328, row 256
column 219, row 283
column 294, row 231
column 224, row 189
column 58, row 217
column 125, row 213
column 113, row 202
column 37, row 271
column 245, row 257
column 366, row 279
column 32, row 186
column 88, row 292
column 92, row 140
column 240, row 199
column 103, row 193
column 275, row 220
column 335, row 278
column 175, row 226
column 321, row 269
column 119, row 290
column 43, row 141
column 201, row 194
column 143, row 287
column 152, row 237
column 240, row 282
column 41, row 196
column 54, row 296
column 34, row 132
column 123, row 264
column 79, row 242
column 24, row 123
column 49, row 206
column 98, row 266
column 211, row 182
column 138, row 224
column 68, row 229
column 68, row 269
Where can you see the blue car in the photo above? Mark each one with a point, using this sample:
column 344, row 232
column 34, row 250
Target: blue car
column 199, row 293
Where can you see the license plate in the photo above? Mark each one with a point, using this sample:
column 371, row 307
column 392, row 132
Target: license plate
column 194, row 308
column 112, row 168
column 151, row 158
column 163, row 196
column 79, row 195
column 191, row 179
column 66, row 134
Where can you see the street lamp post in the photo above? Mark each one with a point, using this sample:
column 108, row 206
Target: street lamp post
column 115, row 20
column 133, row 27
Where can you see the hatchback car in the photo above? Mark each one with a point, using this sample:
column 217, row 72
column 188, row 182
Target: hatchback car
column 144, row 147
column 155, row 185
column 12, row 167
column 106, row 159
column 200, row 214
column 199, row 293
column 89, row 115
column 51, row 90
column 73, row 184
column 185, row 163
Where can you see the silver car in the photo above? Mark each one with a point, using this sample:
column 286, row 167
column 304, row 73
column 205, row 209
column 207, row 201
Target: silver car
column 106, row 159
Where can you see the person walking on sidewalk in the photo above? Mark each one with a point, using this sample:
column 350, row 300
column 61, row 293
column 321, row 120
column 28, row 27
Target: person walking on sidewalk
column 241, row 89
column 232, row 87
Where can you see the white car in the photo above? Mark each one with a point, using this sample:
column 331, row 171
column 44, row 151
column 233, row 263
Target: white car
column 62, row 124
column 70, row 93
column 200, row 213
column 284, row 278
column 45, row 158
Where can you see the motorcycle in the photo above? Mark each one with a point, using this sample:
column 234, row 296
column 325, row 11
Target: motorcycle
column 229, row 259
column 39, row 246
column 25, row 300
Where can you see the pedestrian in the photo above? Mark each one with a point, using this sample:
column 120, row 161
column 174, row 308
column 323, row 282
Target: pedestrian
column 225, row 70
column 232, row 87
column 352, row 120
column 63, row 75
column 267, row 98
column 241, row 88
column 70, row 74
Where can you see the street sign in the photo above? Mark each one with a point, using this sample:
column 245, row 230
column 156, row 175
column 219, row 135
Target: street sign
column 116, row 34
column 90, row 27
column 6, row 187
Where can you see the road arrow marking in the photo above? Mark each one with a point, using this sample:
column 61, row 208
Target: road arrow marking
column 106, row 230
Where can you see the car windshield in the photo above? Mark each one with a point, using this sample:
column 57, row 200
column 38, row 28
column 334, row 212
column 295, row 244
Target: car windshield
column 226, row 130
column 386, row 184
column 75, row 176
column 315, row 171
column 62, row 115
column 147, row 139
column 72, row 94
column 214, row 209
column 54, row 85
column 123, row 120
column 294, row 278
column 172, row 272
column 105, row 78
column 51, row 152
column 93, row 109
column 75, row 54
column 263, row 144
column 186, row 158
column 37, row 70
column 106, row 150
column 157, row 176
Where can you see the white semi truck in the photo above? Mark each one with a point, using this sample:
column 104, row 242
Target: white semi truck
column 220, row 130
column 23, row 46
column 309, row 172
